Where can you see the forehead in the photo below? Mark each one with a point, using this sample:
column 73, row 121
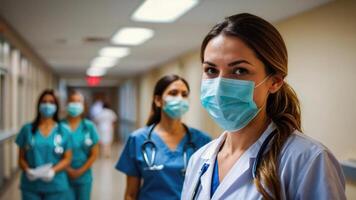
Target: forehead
column 47, row 97
column 177, row 85
column 224, row 47
column 76, row 96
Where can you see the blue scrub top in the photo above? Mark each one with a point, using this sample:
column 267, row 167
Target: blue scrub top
column 215, row 178
column 81, row 150
column 40, row 150
column 166, row 183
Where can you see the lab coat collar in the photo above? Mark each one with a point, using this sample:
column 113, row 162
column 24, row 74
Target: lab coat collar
column 239, row 174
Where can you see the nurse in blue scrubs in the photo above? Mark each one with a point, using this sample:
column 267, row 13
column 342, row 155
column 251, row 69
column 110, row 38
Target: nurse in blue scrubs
column 44, row 153
column 85, row 148
column 155, row 157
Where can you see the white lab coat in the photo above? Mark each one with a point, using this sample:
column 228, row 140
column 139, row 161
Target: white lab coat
column 104, row 121
column 307, row 170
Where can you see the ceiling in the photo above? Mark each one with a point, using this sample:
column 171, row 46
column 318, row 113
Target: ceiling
column 59, row 30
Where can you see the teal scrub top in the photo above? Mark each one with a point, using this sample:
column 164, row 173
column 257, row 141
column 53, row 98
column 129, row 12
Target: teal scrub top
column 41, row 150
column 84, row 138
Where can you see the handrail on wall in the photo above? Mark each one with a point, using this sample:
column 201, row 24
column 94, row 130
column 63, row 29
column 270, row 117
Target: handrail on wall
column 349, row 168
column 6, row 135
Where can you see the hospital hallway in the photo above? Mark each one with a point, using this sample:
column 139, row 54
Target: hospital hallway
column 170, row 78
column 108, row 183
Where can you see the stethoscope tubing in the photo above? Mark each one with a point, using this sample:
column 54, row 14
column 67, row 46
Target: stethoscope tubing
column 150, row 142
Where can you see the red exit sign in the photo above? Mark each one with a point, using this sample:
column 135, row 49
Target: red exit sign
column 93, row 80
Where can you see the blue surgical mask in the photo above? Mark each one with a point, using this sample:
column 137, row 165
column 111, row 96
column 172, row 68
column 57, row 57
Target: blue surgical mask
column 175, row 107
column 229, row 102
column 74, row 109
column 47, row 109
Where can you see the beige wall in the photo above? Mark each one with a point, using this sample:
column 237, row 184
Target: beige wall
column 322, row 69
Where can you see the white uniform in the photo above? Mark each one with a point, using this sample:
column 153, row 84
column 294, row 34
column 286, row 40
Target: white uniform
column 104, row 121
column 307, row 170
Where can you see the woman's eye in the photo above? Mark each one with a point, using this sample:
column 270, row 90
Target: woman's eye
column 240, row 71
column 211, row 71
column 173, row 93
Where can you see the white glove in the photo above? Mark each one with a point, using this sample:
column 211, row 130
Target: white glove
column 31, row 175
column 49, row 175
column 44, row 172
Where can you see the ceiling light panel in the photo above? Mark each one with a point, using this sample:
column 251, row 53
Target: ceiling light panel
column 114, row 52
column 96, row 71
column 132, row 36
column 162, row 11
column 104, row 62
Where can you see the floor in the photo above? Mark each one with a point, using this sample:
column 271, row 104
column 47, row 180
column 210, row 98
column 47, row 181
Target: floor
column 109, row 184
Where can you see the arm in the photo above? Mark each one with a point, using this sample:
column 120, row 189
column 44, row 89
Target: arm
column 75, row 173
column 64, row 163
column 132, row 187
column 325, row 176
column 22, row 160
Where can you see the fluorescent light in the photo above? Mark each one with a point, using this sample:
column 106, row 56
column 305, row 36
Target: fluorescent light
column 162, row 11
column 132, row 36
column 104, row 62
column 115, row 52
column 93, row 71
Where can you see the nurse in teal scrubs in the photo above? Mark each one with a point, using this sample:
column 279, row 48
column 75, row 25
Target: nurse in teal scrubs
column 85, row 148
column 45, row 150
column 155, row 157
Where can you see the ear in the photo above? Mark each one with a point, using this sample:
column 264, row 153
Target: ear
column 158, row 101
column 277, row 83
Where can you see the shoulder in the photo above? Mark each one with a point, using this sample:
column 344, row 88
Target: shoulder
column 88, row 123
column 64, row 128
column 140, row 133
column 303, row 153
column 304, row 162
column 299, row 144
column 200, row 136
column 26, row 128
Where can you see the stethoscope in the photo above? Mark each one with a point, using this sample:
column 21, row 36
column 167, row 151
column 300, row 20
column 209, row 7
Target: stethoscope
column 255, row 165
column 151, row 162
column 57, row 141
column 87, row 139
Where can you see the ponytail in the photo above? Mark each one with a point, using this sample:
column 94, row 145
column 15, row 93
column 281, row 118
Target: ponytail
column 284, row 110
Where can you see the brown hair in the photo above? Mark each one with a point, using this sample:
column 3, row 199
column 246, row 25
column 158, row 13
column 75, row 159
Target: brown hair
column 283, row 107
column 161, row 85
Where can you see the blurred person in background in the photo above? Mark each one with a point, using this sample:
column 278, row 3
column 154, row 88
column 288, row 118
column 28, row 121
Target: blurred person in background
column 105, row 120
column 45, row 151
column 85, row 148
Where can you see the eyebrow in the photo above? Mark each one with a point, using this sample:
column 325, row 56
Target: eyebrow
column 230, row 64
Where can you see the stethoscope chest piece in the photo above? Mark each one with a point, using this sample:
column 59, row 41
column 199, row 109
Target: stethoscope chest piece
column 58, row 149
column 149, row 144
column 88, row 141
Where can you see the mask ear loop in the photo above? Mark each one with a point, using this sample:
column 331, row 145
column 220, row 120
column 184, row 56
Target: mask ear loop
column 264, row 80
column 264, row 104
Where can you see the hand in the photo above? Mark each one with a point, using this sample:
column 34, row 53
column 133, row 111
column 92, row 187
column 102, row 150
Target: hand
column 49, row 175
column 74, row 173
column 30, row 173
